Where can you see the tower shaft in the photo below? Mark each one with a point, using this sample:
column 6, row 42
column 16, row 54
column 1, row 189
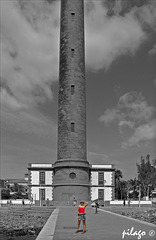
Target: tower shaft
column 71, row 170
column 72, row 99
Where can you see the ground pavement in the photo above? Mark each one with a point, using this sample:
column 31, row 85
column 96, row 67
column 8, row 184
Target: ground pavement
column 101, row 226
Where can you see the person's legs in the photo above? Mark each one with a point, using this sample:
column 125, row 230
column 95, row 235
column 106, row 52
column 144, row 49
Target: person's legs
column 84, row 226
column 78, row 225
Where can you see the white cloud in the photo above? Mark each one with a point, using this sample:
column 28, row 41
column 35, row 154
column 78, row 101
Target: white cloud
column 30, row 43
column 131, row 109
column 135, row 107
column 108, row 38
column 143, row 133
column 147, row 14
column 110, row 115
column 129, row 124
column 9, row 102
column 153, row 50
column 29, row 49
column 135, row 118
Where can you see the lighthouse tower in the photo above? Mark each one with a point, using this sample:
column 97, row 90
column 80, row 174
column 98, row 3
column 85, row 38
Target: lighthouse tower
column 71, row 170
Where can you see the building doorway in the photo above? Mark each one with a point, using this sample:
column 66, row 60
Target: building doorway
column 101, row 197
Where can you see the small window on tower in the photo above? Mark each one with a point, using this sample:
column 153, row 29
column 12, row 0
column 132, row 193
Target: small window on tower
column 72, row 127
column 72, row 52
column 72, row 16
column 72, row 89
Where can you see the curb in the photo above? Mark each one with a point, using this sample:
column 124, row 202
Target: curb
column 47, row 232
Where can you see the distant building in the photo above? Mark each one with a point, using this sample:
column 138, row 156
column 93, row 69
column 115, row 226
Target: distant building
column 11, row 182
column 41, row 183
column 16, row 187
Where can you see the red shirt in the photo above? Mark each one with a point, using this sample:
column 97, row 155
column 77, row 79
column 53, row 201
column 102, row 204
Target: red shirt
column 81, row 209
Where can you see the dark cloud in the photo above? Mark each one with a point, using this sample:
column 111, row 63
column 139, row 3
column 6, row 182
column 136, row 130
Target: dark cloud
column 121, row 7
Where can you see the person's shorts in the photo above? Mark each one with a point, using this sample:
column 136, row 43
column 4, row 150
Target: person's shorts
column 81, row 216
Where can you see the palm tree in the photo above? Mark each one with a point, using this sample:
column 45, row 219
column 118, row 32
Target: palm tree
column 118, row 176
column 132, row 187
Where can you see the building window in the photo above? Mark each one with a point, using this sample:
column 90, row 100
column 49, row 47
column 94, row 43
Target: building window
column 72, row 89
column 72, row 52
column 42, row 192
column 42, row 177
column 72, row 127
column 101, row 194
column 101, row 178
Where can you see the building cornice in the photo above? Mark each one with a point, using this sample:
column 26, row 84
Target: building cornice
column 41, row 168
column 102, row 169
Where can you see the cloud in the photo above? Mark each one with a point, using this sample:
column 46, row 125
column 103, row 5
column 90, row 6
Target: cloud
column 135, row 107
column 134, row 117
column 29, row 47
column 30, row 43
column 108, row 38
column 153, row 50
column 145, row 132
column 129, row 124
column 131, row 106
column 110, row 115
column 9, row 102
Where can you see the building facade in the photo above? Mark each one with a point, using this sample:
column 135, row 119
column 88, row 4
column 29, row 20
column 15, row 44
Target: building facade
column 40, row 183
column 101, row 184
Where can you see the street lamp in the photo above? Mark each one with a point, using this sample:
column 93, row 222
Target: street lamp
column 139, row 194
column 148, row 188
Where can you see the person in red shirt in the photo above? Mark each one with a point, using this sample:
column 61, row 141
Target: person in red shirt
column 81, row 215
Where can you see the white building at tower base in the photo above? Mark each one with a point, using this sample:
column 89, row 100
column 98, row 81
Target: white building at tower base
column 102, row 183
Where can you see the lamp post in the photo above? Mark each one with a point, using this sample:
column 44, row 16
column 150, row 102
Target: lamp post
column 148, row 191
column 139, row 194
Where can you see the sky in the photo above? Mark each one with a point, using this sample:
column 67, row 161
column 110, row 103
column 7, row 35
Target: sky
column 120, row 48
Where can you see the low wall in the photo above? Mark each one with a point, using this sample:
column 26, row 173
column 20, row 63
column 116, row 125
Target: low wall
column 134, row 203
column 15, row 202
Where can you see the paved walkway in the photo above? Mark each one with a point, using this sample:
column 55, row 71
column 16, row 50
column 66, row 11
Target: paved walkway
column 101, row 226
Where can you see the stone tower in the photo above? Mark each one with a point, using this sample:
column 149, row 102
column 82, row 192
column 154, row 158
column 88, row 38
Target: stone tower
column 71, row 170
